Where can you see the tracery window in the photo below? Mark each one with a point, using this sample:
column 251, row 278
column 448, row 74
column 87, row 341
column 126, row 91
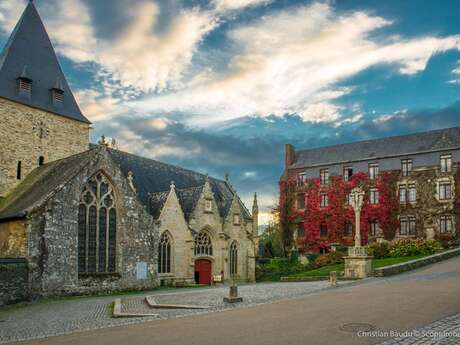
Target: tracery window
column 164, row 253
column 97, row 223
column 203, row 244
column 233, row 259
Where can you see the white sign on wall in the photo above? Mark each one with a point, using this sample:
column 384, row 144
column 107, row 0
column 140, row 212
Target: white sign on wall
column 141, row 270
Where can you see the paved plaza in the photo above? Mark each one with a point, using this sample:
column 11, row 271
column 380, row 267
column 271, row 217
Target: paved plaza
column 63, row 316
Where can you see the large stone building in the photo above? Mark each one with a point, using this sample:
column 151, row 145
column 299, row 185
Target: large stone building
column 412, row 185
column 90, row 218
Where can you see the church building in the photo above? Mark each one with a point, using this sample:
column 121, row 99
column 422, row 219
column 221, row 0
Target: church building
column 88, row 218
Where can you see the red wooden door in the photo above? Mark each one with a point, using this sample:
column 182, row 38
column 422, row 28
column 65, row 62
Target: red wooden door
column 203, row 271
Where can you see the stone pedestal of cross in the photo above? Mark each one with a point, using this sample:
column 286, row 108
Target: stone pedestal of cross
column 358, row 264
column 233, row 294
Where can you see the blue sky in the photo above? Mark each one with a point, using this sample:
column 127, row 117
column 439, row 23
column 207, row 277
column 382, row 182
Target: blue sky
column 220, row 85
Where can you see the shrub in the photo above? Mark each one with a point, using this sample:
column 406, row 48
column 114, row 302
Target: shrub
column 379, row 250
column 411, row 247
column 331, row 258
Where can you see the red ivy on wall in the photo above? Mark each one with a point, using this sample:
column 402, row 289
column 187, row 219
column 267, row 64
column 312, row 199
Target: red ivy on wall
column 337, row 213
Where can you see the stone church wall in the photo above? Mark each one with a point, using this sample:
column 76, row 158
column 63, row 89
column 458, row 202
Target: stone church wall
column 29, row 133
column 13, row 281
column 54, row 239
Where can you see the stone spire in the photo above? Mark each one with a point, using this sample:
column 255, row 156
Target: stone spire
column 255, row 216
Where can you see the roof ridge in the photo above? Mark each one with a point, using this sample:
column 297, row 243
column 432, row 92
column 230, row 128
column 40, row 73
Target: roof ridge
column 381, row 138
column 165, row 164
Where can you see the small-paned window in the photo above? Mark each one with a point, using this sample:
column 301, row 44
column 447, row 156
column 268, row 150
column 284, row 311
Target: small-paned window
column 324, row 200
column 375, row 228
column 323, row 233
column 407, row 225
column 406, row 167
column 347, row 173
column 301, row 201
column 412, row 195
column 445, row 191
column 301, row 178
column 324, row 176
column 445, row 224
column 446, row 163
column 373, row 171
column 348, row 229
column 402, row 194
column 373, row 196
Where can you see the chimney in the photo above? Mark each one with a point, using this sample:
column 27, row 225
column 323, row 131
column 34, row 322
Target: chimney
column 289, row 156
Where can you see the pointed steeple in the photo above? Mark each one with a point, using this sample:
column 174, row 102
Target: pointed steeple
column 29, row 50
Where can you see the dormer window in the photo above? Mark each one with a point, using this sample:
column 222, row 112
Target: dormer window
column 57, row 96
column 24, row 84
column 57, row 93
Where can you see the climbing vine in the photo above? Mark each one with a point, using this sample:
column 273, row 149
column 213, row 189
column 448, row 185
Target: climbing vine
column 337, row 212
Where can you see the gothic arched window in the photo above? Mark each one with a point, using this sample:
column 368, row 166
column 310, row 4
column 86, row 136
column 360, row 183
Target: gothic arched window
column 164, row 253
column 97, row 224
column 233, row 259
column 203, row 244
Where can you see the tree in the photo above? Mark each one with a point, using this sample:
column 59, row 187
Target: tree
column 286, row 216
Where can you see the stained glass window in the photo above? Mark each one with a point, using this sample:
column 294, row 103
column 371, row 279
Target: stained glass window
column 97, row 219
column 233, row 259
column 203, row 244
column 164, row 254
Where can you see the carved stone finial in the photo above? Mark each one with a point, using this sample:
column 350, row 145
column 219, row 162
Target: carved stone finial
column 130, row 181
column 172, row 185
column 227, row 177
column 102, row 141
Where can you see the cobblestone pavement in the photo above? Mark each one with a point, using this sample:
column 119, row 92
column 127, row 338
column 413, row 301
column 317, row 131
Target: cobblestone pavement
column 63, row 316
column 442, row 332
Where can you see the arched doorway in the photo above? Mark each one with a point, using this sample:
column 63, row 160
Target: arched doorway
column 203, row 271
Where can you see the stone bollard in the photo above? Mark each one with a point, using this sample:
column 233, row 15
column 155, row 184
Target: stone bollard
column 333, row 278
column 233, row 295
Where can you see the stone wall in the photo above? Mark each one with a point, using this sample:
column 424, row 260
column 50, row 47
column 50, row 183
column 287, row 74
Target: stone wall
column 29, row 133
column 13, row 281
column 13, row 239
column 54, row 239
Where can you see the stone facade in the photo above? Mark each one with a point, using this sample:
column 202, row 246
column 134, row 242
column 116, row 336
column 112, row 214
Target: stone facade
column 53, row 236
column 416, row 166
column 223, row 231
column 31, row 133
column 13, row 281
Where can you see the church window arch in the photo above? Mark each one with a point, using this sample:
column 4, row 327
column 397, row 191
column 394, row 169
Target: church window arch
column 203, row 244
column 233, row 258
column 165, row 253
column 97, row 223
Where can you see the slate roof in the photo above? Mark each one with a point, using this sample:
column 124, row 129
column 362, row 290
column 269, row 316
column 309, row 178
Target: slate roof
column 152, row 179
column 41, row 183
column 29, row 50
column 437, row 140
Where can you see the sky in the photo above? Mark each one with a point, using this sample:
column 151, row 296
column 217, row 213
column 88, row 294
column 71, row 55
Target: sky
column 219, row 86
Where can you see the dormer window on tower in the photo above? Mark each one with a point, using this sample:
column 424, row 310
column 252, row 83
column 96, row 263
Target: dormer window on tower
column 24, row 84
column 57, row 93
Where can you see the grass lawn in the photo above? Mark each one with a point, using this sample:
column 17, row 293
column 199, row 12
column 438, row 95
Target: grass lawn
column 376, row 263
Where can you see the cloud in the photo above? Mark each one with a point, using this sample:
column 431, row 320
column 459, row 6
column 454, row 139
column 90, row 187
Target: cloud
column 10, row 11
column 228, row 5
column 456, row 73
column 290, row 62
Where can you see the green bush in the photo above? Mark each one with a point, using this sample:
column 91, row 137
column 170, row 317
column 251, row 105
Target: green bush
column 331, row 258
column 411, row 247
column 379, row 250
